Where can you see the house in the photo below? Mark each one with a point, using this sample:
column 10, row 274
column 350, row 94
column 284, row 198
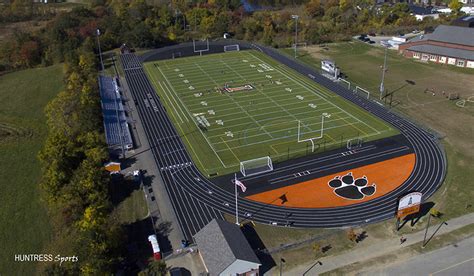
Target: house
column 421, row 13
column 451, row 45
column 224, row 250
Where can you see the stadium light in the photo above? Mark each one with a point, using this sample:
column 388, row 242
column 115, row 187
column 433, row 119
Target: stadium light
column 295, row 17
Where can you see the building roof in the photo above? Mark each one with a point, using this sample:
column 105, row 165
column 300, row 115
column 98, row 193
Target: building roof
column 222, row 243
column 450, row 34
column 111, row 107
column 443, row 51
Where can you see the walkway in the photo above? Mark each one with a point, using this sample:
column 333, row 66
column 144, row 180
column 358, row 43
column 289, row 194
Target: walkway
column 380, row 248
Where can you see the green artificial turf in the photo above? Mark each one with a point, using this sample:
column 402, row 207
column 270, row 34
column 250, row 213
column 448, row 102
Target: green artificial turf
column 262, row 121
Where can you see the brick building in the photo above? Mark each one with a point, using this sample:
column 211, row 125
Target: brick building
column 451, row 45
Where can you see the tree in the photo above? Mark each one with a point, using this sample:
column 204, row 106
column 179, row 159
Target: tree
column 316, row 249
column 313, row 8
column 155, row 268
column 455, row 6
column 351, row 235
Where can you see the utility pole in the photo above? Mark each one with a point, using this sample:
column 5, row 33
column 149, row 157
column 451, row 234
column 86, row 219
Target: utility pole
column 236, row 201
column 382, row 88
column 295, row 17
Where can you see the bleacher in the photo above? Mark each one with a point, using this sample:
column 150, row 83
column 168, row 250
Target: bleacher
column 111, row 102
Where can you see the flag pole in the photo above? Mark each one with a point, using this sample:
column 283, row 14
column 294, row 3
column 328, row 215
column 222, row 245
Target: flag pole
column 236, row 204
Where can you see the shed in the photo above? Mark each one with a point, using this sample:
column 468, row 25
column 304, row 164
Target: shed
column 225, row 250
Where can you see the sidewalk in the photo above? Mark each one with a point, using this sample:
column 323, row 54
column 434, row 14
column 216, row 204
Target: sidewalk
column 378, row 249
column 142, row 158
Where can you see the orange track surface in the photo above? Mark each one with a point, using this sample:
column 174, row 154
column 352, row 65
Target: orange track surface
column 316, row 193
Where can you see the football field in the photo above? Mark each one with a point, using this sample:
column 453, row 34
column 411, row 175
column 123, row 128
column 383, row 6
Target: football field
column 242, row 105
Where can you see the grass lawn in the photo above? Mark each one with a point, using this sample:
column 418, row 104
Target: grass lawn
column 454, row 198
column 238, row 106
column 361, row 63
column 24, row 224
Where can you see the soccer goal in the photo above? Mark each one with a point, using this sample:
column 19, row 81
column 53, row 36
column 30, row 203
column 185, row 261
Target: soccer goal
column 360, row 89
column 231, row 48
column 256, row 166
column 354, row 143
column 348, row 83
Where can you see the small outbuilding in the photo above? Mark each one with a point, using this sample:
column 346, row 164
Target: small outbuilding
column 224, row 250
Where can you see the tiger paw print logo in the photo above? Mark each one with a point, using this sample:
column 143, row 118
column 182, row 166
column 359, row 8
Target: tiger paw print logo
column 349, row 188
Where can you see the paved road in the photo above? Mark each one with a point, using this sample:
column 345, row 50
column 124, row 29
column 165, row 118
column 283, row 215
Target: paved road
column 368, row 250
column 196, row 200
column 457, row 259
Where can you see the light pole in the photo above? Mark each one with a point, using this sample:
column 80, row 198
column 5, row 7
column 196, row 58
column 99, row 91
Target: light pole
column 100, row 52
column 295, row 17
column 382, row 88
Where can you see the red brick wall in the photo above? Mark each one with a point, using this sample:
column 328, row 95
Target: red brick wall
column 404, row 46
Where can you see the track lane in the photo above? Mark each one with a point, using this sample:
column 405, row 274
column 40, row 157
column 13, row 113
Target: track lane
column 427, row 175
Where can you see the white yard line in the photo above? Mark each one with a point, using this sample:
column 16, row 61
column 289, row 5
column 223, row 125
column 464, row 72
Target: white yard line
column 236, row 103
column 305, row 85
column 289, row 136
column 194, row 121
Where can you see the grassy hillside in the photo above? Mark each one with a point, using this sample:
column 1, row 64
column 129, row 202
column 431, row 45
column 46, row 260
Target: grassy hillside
column 24, row 224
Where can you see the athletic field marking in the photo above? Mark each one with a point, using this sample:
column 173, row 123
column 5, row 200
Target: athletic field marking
column 154, row 81
column 236, row 103
column 194, row 121
column 454, row 265
column 275, row 100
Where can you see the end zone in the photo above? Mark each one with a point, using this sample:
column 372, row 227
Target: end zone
column 343, row 188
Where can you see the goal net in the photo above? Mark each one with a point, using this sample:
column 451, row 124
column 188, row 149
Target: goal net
column 230, row 48
column 256, row 166
column 354, row 143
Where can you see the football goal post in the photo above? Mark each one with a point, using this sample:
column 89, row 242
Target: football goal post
column 231, row 48
column 256, row 166
column 311, row 139
column 202, row 49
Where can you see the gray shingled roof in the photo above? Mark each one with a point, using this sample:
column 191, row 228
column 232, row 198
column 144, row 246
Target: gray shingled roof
column 221, row 243
column 450, row 34
column 443, row 51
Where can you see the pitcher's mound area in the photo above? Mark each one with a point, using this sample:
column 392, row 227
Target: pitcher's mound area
column 343, row 188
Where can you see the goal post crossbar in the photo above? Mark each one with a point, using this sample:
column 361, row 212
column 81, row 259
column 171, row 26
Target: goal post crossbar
column 201, row 50
column 323, row 116
column 256, row 166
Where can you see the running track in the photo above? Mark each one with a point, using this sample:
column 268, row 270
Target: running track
column 196, row 200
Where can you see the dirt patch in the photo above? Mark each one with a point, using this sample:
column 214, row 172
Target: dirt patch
column 317, row 51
